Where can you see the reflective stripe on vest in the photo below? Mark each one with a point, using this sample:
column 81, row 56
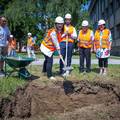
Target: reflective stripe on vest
column 48, row 40
column 104, row 41
column 70, row 30
column 85, row 39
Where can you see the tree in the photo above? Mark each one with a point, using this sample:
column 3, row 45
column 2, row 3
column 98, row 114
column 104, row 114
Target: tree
column 61, row 7
column 25, row 15
column 21, row 20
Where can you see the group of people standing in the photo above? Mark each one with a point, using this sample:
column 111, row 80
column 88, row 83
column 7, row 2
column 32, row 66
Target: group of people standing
column 61, row 38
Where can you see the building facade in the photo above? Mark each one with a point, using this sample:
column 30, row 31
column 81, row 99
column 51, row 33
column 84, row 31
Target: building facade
column 109, row 10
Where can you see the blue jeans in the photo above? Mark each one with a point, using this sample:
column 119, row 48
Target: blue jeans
column 12, row 53
column 47, row 66
column 63, row 53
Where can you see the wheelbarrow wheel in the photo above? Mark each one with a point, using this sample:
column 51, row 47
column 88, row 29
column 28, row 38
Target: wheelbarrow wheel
column 23, row 73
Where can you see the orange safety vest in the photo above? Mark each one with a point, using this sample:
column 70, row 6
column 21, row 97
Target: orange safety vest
column 70, row 30
column 104, row 39
column 30, row 42
column 85, row 39
column 12, row 43
column 48, row 40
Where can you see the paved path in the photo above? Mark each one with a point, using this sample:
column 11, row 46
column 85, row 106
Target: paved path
column 76, row 61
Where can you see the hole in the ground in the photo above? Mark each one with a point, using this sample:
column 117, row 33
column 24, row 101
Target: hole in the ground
column 58, row 98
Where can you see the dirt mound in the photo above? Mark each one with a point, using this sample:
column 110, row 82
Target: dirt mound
column 63, row 100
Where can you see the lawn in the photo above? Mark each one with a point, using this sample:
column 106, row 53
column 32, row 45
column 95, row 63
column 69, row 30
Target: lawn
column 75, row 56
column 8, row 85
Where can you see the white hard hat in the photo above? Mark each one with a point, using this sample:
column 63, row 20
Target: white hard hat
column 68, row 16
column 29, row 34
column 101, row 22
column 59, row 19
column 85, row 23
column 11, row 36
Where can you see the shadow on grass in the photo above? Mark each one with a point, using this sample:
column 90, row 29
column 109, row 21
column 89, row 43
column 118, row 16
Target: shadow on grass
column 95, row 70
column 33, row 77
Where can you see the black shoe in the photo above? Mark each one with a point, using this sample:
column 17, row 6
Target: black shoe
column 81, row 71
column 2, row 71
column 88, row 71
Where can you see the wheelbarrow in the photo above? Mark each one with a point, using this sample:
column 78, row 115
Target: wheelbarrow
column 18, row 64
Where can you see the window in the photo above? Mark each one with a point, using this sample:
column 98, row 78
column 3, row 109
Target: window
column 107, row 14
column 110, row 9
column 118, row 31
column 117, row 4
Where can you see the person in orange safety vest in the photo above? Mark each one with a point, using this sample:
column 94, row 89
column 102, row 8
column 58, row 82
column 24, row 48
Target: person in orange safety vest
column 12, row 46
column 102, row 46
column 85, row 45
column 30, row 46
column 67, row 44
column 50, row 44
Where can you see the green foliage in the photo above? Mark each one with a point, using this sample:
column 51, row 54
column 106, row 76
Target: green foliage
column 24, row 15
column 20, row 16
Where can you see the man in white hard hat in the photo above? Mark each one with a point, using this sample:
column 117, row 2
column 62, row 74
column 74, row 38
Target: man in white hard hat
column 85, row 44
column 67, row 44
column 50, row 44
column 30, row 46
column 103, row 42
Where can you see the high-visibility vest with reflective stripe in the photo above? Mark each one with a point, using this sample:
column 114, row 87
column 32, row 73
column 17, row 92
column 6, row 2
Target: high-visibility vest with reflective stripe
column 48, row 40
column 70, row 30
column 85, row 39
column 30, row 42
column 104, row 42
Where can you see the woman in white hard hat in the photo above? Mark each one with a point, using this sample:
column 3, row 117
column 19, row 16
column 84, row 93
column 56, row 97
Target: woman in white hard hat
column 103, row 41
column 30, row 46
column 69, row 38
column 85, row 44
column 50, row 44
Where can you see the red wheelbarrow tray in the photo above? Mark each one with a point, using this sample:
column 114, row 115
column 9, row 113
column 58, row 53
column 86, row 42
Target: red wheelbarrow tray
column 17, row 62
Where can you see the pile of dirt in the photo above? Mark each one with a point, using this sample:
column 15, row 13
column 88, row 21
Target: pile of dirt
column 63, row 100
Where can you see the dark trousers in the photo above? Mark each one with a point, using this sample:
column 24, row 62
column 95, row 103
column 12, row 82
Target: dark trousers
column 103, row 62
column 85, row 54
column 63, row 53
column 47, row 66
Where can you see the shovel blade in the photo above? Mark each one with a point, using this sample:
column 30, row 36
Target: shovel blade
column 68, row 68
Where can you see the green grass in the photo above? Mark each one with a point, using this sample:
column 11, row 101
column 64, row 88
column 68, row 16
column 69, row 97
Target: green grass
column 75, row 56
column 113, row 73
column 9, row 85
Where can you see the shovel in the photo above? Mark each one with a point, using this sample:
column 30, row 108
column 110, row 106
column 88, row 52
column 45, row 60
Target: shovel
column 65, row 66
column 69, row 67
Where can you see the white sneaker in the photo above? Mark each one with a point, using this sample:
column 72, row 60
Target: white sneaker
column 104, row 73
column 52, row 78
column 100, row 73
column 67, row 73
column 64, row 74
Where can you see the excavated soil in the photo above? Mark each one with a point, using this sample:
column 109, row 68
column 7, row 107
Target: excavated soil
column 63, row 100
